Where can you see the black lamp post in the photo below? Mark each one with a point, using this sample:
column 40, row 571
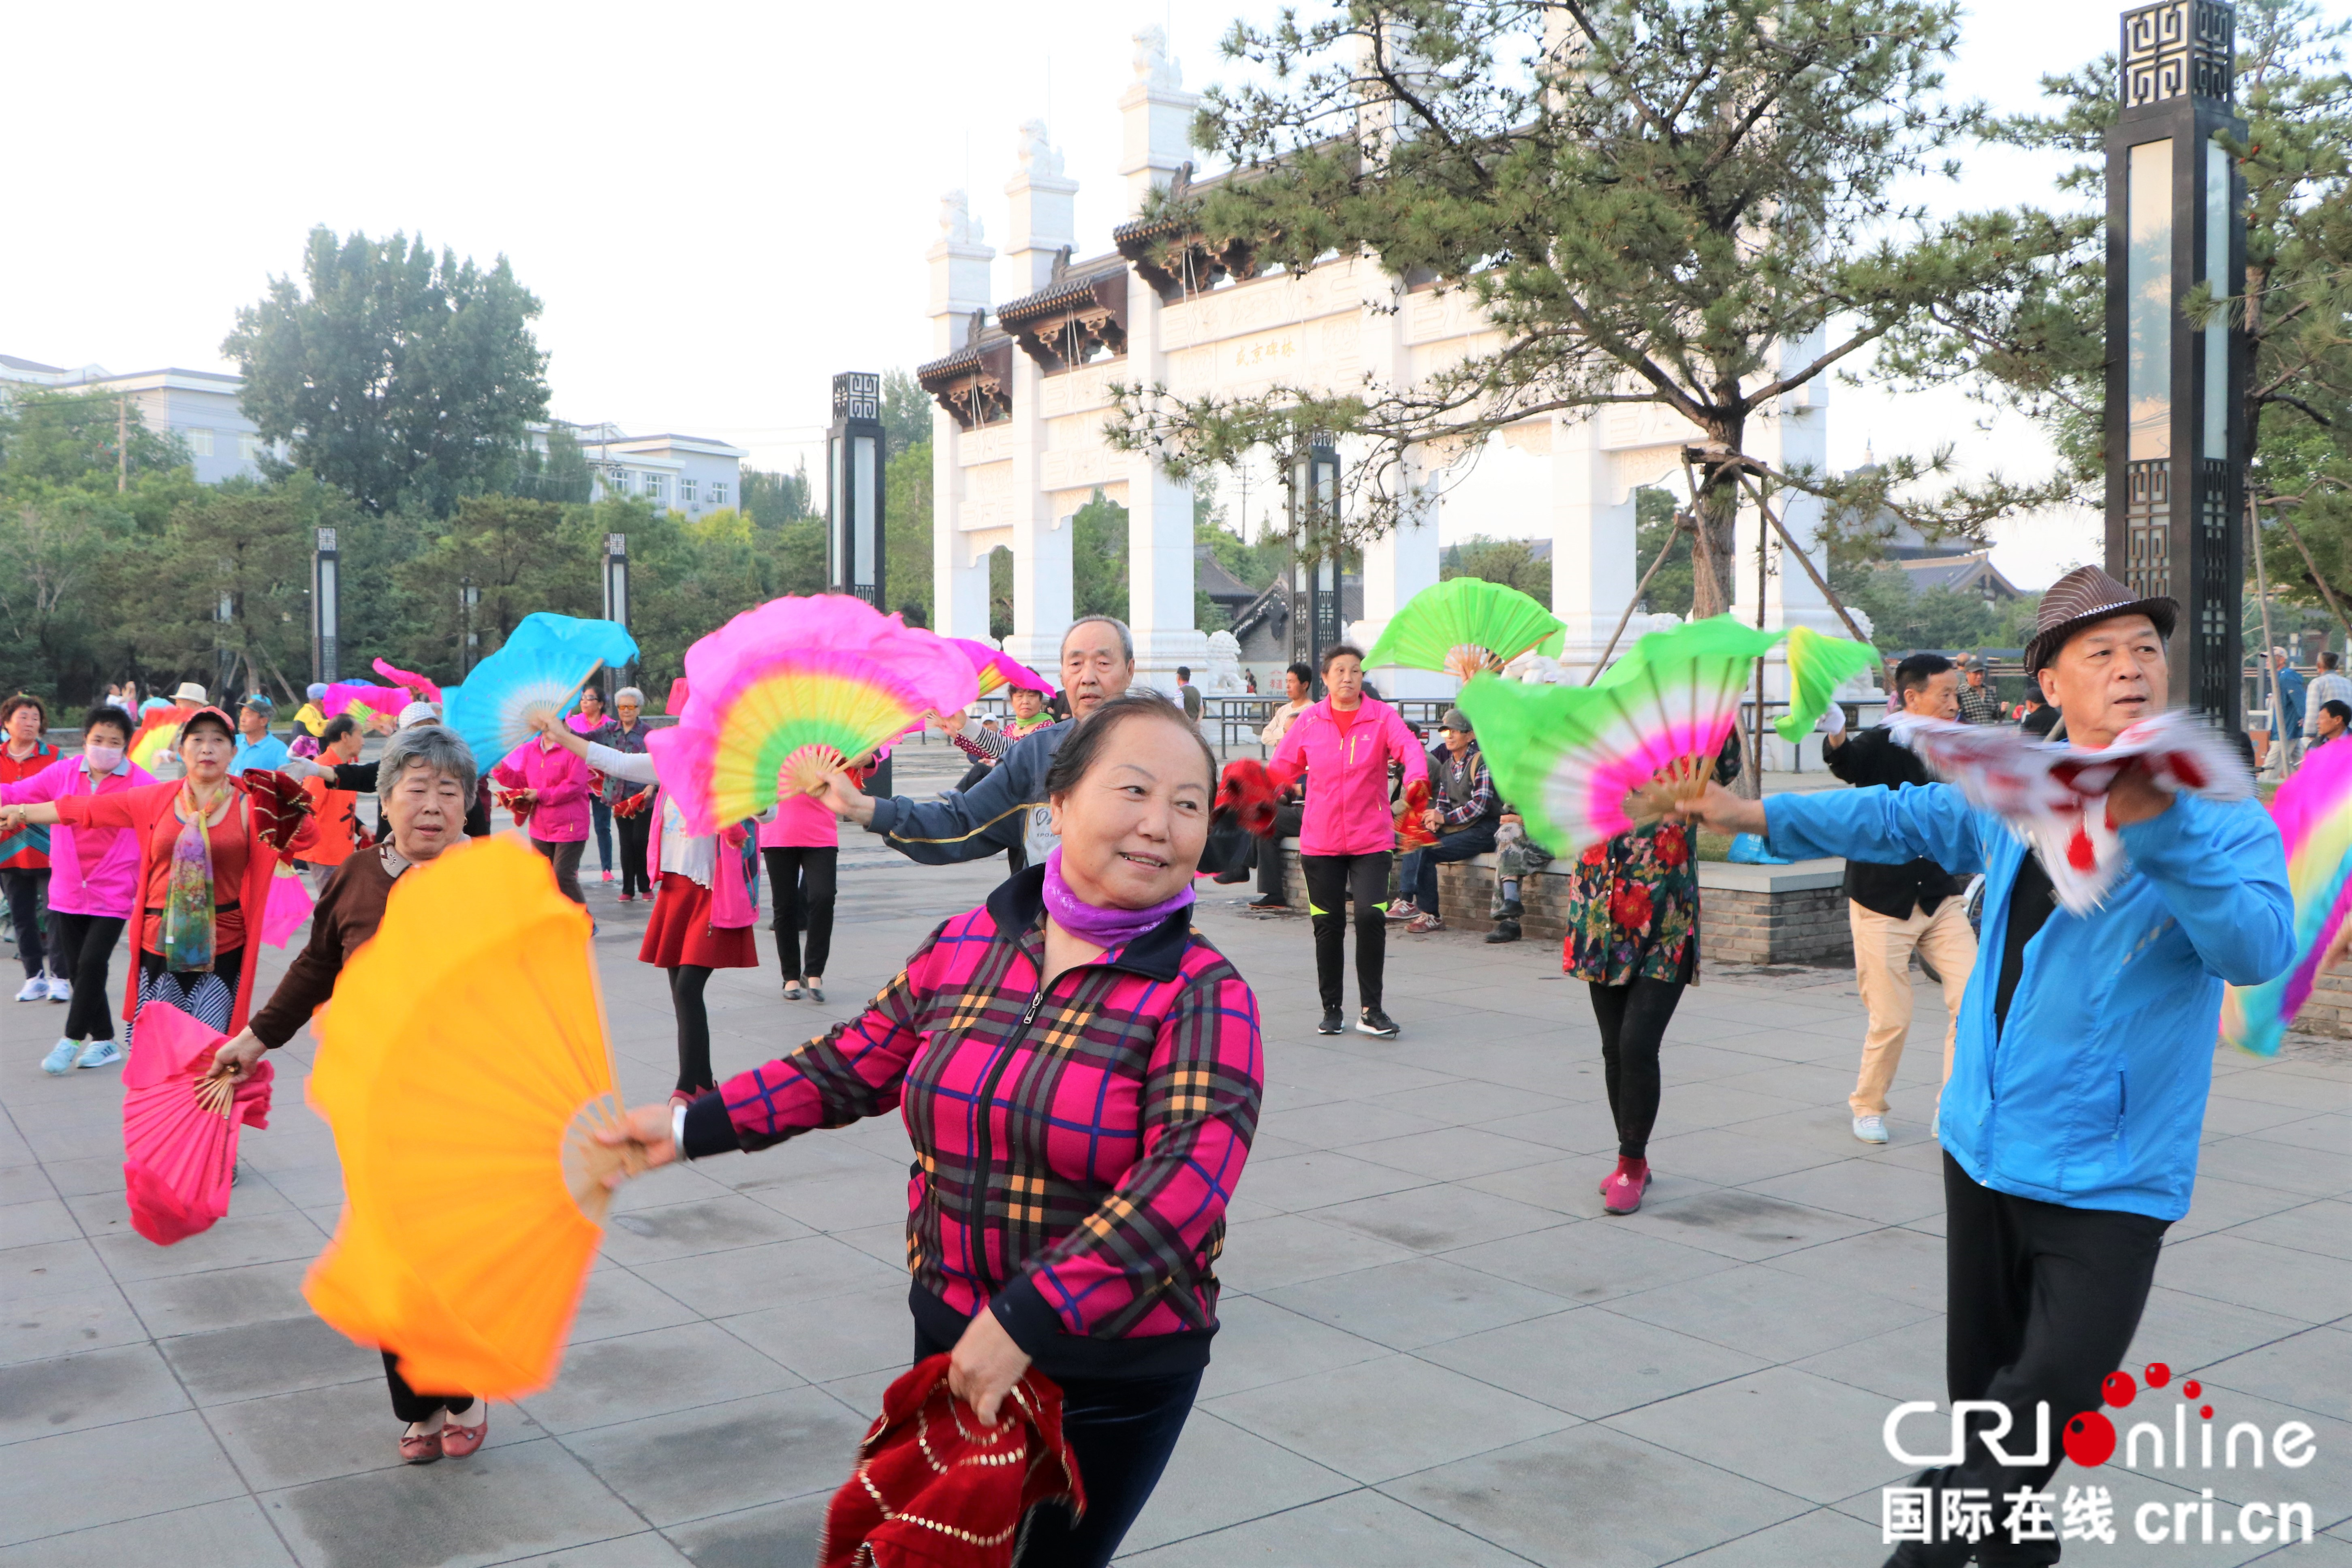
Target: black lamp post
column 1315, row 621
column 2176, row 218
column 853, row 488
column 326, row 608
column 616, row 592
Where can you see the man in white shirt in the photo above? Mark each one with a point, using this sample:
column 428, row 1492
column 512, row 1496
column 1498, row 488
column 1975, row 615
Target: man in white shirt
column 2330, row 685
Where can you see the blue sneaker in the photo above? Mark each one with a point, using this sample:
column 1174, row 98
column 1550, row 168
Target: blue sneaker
column 99, row 1054
column 61, row 1057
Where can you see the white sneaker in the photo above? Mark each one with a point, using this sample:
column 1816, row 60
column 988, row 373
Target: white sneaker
column 60, row 990
column 61, row 1057
column 37, row 989
column 1870, row 1129
column 99, row 1054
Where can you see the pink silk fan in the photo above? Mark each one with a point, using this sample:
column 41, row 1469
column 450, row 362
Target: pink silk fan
column 179, row 1134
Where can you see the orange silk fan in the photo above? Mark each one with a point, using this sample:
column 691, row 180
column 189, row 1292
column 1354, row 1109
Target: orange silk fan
column 463, row 1066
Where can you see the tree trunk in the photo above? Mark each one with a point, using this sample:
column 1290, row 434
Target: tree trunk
column 1714, row 547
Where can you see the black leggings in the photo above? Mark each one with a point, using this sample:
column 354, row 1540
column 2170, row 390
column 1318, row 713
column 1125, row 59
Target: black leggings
column 1331, row 878
column 634, row 832
column 1634, row 1020
column 26, row 891
column 411, row 1406
column 802, row 880
column 85, row 947
column 1121, row 1431
column 686, row 983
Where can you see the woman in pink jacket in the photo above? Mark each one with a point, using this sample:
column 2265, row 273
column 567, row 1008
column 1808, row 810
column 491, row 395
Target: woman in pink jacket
column 1343, row 745
column 802, row 848
column 93, row 878
column 547, row 779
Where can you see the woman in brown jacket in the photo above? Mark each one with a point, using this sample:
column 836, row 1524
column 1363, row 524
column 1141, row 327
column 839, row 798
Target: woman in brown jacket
column 425, row 780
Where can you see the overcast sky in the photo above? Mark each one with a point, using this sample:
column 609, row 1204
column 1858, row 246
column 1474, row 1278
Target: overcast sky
column 720, row 204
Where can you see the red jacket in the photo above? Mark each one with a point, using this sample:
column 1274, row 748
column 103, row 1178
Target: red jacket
column 140, row 809
column 27, row 848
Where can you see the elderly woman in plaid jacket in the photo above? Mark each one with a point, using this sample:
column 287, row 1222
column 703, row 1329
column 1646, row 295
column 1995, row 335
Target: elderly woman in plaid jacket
column 1079, row 1071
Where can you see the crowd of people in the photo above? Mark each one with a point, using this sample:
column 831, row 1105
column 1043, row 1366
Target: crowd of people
column 1076, row 1041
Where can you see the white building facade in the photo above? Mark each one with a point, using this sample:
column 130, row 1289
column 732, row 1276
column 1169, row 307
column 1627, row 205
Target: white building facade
column 1022, row 389
column 199, row 407
column 692, row 474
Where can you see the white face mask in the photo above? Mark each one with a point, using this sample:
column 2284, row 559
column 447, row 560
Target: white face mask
column 103, row 759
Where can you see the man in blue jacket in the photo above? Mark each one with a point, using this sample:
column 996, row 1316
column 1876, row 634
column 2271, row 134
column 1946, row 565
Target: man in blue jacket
column 1008, row 807
column 2085, row 1048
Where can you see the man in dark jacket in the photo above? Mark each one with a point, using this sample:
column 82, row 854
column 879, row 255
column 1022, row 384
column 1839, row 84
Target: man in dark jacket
column 1462, row 812
column 1007, row 807
column 1896, row 910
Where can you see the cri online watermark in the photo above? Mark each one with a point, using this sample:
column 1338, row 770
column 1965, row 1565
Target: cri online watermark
column 1929, row 1514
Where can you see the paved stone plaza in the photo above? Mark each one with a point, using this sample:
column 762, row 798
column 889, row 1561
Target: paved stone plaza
column 1435, row 1351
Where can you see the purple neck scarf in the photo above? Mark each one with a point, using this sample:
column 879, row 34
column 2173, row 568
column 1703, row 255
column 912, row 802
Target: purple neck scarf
column 1091, row 923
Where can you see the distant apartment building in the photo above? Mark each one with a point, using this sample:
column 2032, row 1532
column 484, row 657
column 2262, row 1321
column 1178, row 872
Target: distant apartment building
column 691, row 474
column 199, row 407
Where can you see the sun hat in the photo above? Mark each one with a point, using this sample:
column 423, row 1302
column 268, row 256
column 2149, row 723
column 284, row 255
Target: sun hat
column 190, row 691
column 2082, row 598
column 419, row 713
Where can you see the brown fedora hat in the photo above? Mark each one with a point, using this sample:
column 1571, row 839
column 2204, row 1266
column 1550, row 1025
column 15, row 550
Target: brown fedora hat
column 2083, row 598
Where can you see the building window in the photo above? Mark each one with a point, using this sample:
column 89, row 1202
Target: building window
column 686, row 491
column 200, row 442
column 249, row 448
column 658, row 488
column 718, row 493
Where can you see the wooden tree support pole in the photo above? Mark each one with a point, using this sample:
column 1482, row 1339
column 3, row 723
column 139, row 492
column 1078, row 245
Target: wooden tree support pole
column 1639, row 589
column 2304, row 551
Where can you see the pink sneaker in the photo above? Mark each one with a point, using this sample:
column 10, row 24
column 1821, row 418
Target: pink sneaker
column 1621, row 1193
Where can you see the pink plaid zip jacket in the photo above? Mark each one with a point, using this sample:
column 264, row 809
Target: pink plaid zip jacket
column 1075, row 1148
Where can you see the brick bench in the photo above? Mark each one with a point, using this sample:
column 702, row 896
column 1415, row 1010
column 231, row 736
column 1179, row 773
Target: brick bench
column 1747, row 914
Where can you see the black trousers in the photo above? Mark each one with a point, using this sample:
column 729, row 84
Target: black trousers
column 411, row 1406
column 26, row 893
column 1330, row 880
column 1121, row 1431
column 85, row 949
column 634, row 832
column 1634, row 1020
column 1288, row 821
column 565, row 858
column 686, row 983
column 2043, row 1301
column 804, row 881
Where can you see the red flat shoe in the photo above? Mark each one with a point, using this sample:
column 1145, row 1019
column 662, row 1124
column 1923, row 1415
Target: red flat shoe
column 422, row 1449
column 460, row 1441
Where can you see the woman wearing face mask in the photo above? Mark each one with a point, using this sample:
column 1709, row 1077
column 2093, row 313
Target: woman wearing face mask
column 208, row 844
column 92, row 881
column 1113, row 1060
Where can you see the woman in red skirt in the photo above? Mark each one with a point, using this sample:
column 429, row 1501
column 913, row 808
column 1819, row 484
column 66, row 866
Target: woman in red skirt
column 702, row 908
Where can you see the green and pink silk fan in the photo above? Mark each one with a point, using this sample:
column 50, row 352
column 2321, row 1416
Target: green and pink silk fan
column 1584, row 764
column 797, row 688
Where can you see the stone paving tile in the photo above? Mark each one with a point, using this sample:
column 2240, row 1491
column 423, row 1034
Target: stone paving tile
column 653, row 1372
column 1737, row 1222
column 2312, row 1370
column 723, row 1458
column 1359, row 1528
column 317, row 1434
column 2318, row 1172
column 1767, row 1313
column 2185, row 1330
column 1414, row 1303
column 274, row 1357
column 99, row 1388
column 768, row 1537
column 1787, row 1428
column 1263, row 1255
column 221, row 1298
column 235, row 1530
column 1906, row 1265
column 2248, row 1273
column 1221, row 1475
column 1376, row 1420
column 45, row 1483
column 2323, row 1226
column 1592, row 1262
column 837, row 1337
column 1437, row 1219
column 1591, row 1364
column 509, row 1500
column 646, row 1549
column 1320, row 1179
column 1823, row 1536
column 1593, row 1497
column 1863, row 1189
column 1258, row 1343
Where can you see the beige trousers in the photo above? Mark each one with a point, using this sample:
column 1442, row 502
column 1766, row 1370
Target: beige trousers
column 1882, row 968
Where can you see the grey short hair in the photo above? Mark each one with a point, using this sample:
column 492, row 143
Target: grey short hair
column 628, row 694
column 1126, row 637
column 435, row 747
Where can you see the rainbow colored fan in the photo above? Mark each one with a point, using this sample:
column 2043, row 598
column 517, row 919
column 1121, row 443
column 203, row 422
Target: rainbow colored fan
column 540, row 669
column 998, row 670
column 1465, row 625
column 1585, row 763
column 797, row 688
column 2314, row 812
